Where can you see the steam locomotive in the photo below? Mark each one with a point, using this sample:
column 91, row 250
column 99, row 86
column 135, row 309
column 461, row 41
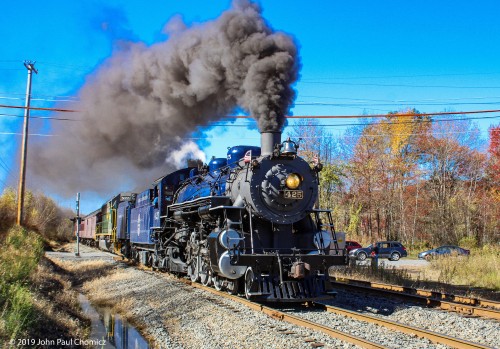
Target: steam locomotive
column 246, row 223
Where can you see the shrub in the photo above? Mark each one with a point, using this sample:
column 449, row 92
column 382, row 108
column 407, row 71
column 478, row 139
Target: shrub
column 468, row 242
column 19, row 256
column 8, row 209
column 19, row 311
column 41, row 215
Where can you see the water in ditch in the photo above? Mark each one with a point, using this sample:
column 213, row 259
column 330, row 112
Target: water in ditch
column 110, row 330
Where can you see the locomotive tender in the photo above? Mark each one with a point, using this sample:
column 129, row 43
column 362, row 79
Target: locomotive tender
column 246, row 223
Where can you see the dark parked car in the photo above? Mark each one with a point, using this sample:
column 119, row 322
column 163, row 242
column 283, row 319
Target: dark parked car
column 444, row 251
column 351, row 245
column 391, row 250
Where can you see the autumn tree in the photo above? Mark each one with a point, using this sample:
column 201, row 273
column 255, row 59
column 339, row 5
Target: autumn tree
column 494, row 159
column 490, row 200
column 383, row 166
column 408, row 177
column 453, row 171
column 316, row 141
column 403, row 130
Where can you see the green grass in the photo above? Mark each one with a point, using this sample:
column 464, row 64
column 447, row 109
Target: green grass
column 19, row 257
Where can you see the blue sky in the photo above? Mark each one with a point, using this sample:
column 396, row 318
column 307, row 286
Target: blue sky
column 357, row 57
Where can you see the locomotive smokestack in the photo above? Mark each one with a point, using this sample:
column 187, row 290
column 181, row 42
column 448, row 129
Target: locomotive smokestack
column 267, row 142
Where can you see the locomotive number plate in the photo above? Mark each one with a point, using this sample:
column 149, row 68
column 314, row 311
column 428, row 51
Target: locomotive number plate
column 293, row 194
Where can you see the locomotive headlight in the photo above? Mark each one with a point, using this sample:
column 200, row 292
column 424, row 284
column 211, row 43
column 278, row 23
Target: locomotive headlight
column 293, row 181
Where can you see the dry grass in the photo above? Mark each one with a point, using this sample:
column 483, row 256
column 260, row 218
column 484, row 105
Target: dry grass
column 474, row 276
column 100, row 287
column 57, row 307
column 85, row 271
column 97, row 278
column 383, row 273
column 97, row 288
column 480, row 270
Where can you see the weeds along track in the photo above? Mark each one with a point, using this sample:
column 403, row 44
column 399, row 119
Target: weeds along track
column 463, row 305
column 353, row 327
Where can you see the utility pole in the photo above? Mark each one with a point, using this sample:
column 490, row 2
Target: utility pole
column 77, row 220
column 30, row 65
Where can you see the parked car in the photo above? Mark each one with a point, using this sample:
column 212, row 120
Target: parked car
column 444, row 251
column 351, row 245
column 392, row 250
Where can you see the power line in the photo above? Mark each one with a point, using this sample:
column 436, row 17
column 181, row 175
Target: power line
column 40, row 99
column 388, row 123
column 304, row 116
column 30, row 134
column 40, row 117
column 9, row 172
column 68, row 66
column 401, row 100
column 375, row 115
column 50, row 96
column 395, row 101
column 399, row 85
column 4, row 166
column 400, row 76
column 343, row 136
column 200, row 138
column 322, row 104
column 38, row 108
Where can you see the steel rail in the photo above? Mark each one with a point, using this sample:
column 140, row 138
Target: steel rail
column 426, row 293
column 394, row 325
column 469, row 306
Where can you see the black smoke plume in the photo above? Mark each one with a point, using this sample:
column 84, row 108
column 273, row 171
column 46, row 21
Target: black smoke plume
column 141, row 103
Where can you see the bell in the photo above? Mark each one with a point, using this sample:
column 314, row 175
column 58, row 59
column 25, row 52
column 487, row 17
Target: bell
column 289, row 147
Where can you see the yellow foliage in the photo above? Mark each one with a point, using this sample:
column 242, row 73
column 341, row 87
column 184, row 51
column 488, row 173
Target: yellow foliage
column 8, row 207
column 41, row 215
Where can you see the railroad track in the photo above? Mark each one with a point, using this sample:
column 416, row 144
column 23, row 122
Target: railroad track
column 397, row 326
column 299, row 321
column 292, row 319
column 464, row 305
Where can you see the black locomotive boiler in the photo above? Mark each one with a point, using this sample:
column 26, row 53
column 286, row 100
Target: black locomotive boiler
column 249, row 224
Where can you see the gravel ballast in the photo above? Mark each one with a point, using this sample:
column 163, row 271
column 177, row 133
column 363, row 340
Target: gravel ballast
column 173, row 315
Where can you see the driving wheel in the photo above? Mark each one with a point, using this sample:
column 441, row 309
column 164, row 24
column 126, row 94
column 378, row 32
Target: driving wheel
column 193, row 271
column 232, row 286
column 217, row 280
column 249, row 280
column 204, row 271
